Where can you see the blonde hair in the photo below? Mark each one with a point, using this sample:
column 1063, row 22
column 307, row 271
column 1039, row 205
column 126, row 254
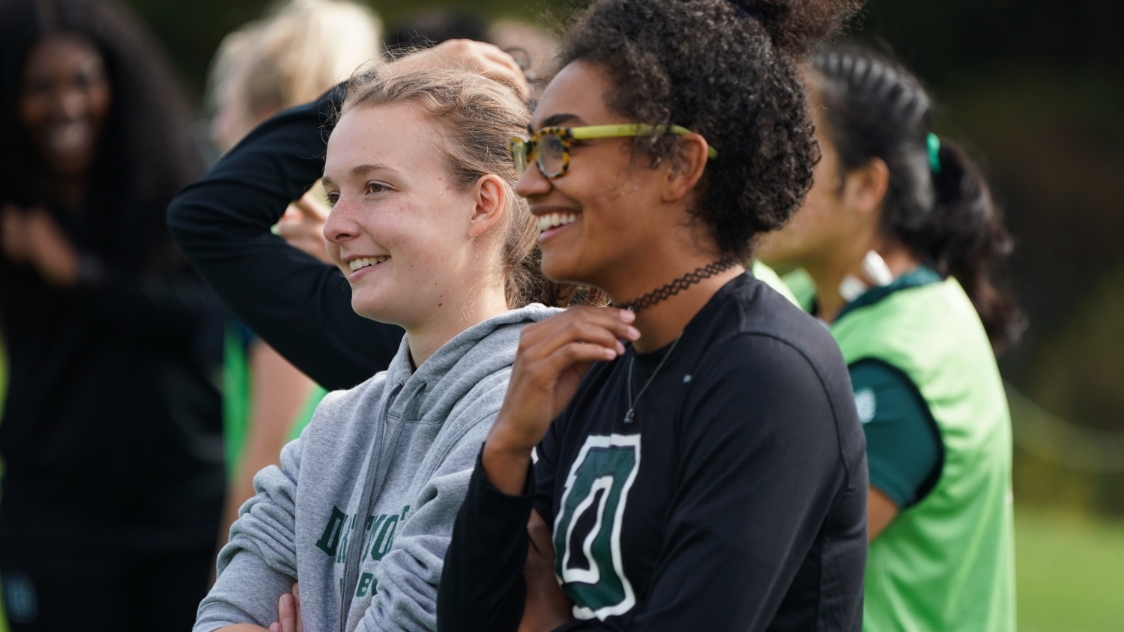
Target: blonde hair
column 301, row 49
column 479, row 116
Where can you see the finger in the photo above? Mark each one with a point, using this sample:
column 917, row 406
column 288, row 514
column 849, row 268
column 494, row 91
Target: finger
column 286, row 613
column 498, row 56
column 604, row 326
column 548, row 369
column 289, row 229
column 275, row 627
column 311, row 208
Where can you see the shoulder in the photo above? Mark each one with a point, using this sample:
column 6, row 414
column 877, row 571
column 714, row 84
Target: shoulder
column 752, row 317
column 781, row 368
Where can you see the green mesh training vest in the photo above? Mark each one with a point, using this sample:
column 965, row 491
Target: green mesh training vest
column 766, row 275
column 236, row 401
column 946, row 563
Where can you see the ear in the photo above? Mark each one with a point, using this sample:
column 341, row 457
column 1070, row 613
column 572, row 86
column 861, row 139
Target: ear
column 685, row 171
column 865, row 188
column 491, row 195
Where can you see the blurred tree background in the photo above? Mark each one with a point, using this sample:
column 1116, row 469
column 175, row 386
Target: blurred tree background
column 1035, row 90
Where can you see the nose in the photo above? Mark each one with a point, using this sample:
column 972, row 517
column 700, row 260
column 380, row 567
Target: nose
column 533, row 182
column 341, row 224
column 71, row 102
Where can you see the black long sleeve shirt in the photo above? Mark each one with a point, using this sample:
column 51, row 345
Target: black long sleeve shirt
column 111, row 431
column 736, row 500
column 299, row 305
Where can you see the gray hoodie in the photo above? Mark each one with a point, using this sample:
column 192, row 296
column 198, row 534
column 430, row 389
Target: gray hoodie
column 397, row 451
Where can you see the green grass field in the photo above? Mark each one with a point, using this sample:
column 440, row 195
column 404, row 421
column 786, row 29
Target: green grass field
column 1070, row 572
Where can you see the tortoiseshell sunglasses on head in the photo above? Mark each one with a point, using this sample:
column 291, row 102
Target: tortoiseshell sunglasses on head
column 550, row 146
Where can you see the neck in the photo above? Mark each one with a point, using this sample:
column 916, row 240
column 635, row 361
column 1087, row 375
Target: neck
column 452, row 316
column 828, row 272
column 663, row 322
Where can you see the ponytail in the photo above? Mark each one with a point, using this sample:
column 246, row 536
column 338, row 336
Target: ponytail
column 938, row 205
column 968, row 239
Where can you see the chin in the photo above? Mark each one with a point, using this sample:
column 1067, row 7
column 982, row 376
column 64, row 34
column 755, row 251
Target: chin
column 371, row 309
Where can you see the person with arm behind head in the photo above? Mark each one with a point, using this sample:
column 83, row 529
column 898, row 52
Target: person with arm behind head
column 430, row 236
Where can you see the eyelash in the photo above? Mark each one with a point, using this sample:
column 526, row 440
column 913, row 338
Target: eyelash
column 334, row 196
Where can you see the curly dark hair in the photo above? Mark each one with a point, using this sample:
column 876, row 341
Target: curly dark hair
column 728, row 71
column 876, row 108
column 145, row 154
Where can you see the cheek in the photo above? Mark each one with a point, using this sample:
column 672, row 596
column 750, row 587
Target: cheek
column 33, row 112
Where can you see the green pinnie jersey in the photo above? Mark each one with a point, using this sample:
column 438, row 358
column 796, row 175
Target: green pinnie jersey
column 766, row 275
column 236, row 400
column 946, row 563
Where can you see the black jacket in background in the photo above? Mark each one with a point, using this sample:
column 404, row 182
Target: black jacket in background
column 298, row 305
column 111, row 435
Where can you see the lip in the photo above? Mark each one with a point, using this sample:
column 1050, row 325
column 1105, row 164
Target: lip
column 355, row 275
column 557, row 230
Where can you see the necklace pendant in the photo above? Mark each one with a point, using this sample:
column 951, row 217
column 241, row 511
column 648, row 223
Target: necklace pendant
column 629, row 416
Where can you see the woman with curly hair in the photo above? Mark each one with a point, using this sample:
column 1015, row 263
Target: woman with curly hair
column 900, row 238
column 691, row 458
column 111, row 437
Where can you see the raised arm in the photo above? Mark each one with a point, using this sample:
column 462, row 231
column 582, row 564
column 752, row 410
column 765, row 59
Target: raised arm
column 300, row 306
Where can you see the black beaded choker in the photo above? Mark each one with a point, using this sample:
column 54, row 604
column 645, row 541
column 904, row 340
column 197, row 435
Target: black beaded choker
column 678, row 285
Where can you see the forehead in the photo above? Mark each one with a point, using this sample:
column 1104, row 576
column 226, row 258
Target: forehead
column 399, row 134
column 575, row 96
column 62, row 52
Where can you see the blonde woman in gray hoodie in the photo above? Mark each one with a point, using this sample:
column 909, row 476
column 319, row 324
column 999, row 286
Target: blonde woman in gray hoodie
column 428, row 232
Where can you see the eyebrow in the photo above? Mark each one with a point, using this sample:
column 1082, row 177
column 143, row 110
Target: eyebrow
column 555, row 120
column 361, row 170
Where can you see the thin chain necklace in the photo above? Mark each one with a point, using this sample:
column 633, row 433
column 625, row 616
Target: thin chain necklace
column 630, row 416
column 678, row 285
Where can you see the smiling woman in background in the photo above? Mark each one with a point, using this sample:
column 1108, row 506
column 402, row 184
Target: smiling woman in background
column 111, row 430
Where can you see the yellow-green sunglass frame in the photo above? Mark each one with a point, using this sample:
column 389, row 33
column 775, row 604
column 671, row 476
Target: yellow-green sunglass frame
column 524, row 151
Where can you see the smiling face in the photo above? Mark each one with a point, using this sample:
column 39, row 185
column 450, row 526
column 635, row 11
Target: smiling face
column 64, row 102
column 399, row 229
column 604, row 221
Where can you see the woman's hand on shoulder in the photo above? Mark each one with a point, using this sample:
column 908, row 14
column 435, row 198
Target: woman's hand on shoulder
column 487, row 59
column 553, row 356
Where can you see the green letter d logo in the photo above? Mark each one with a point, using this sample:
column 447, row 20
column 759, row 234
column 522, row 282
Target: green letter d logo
column 587, row 529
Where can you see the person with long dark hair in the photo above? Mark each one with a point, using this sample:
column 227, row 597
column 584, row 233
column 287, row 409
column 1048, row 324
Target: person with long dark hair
column 690, row 459
column 111, row 435
column 901, row 239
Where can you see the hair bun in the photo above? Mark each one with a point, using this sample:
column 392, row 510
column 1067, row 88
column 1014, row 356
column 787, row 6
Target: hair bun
column 796, row 26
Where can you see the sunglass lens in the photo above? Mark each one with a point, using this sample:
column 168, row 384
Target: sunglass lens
column 519, row 155
column 552, row 155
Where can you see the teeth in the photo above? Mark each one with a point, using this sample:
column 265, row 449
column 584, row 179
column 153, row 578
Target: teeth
column 551, row 220
column 363, row 262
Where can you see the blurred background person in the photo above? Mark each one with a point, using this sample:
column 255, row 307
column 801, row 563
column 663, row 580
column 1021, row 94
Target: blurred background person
column 899, row 237
column 292, row 56
column 432, row 25
column 111, row 434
